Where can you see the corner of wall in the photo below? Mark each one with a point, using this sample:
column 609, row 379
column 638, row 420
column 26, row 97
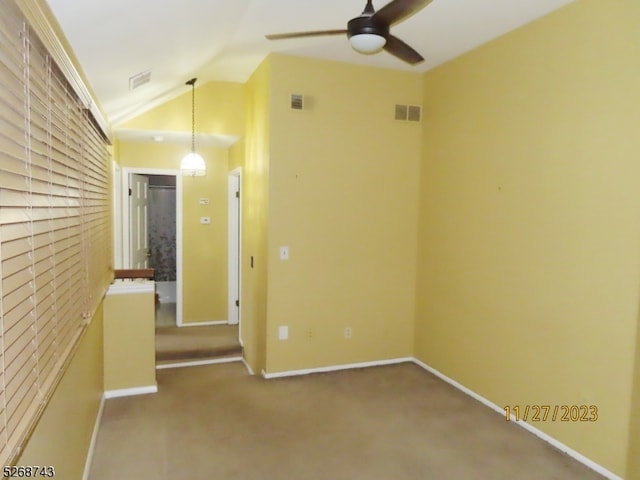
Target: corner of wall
column 633, row 450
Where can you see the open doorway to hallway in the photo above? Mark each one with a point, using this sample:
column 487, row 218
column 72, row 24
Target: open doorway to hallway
column 151, row 210
column 162, row 246
column 152, row 219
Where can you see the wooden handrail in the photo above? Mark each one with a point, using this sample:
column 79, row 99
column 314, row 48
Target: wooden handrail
column 135, row 273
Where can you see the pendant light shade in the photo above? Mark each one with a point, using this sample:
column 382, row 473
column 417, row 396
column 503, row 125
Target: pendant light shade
column 193, row 165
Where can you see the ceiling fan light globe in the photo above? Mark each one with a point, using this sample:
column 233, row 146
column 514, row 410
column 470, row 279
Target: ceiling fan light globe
column 192, row 165
column 367, row 43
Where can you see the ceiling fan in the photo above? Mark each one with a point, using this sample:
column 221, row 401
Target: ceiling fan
column 369, row 32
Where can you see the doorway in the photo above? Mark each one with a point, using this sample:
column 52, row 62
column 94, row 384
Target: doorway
column 152, row 234
column 201, row 343
column 161, row 252
column 235, row 248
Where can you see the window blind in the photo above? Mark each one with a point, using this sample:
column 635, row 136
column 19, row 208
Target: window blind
column 55, row 248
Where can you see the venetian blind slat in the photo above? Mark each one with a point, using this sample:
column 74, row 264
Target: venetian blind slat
column 54, row 219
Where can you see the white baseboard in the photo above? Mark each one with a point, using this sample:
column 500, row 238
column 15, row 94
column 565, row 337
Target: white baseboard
column 334, row 368
column 538, row 433
column 197, row 363
column 203, row 324
column 248, row 367
column 94, row 438
column 128, row 392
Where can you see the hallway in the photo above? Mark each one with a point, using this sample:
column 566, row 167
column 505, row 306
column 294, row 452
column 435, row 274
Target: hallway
column 192, row 343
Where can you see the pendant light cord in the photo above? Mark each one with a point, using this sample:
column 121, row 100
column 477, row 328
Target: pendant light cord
column 192, row 82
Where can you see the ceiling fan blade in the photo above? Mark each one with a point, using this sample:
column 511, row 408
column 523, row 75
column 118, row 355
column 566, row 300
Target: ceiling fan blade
column 282, row 36
column 399, row 10
column 397, row 47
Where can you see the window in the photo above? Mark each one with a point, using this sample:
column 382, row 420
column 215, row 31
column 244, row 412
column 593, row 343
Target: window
column 55, row 240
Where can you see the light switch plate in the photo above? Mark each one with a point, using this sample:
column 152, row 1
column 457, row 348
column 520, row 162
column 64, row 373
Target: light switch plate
column 284, row 253
column 205, row 220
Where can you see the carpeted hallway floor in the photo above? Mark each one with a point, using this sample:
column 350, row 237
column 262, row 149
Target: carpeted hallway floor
column 196, row 343
column 178, row 345
column 394, row 423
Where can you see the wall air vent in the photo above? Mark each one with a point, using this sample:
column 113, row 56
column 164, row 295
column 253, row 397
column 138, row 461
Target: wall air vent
column 408, row 113
column 401, row 112
column 415, row 113
column 139, row 79
column 296, row 101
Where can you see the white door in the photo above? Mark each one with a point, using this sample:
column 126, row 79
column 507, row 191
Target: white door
column 139, row 220
column 234, row 248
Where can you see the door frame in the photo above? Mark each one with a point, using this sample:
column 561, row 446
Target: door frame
column 234, row 283
column 126, row 227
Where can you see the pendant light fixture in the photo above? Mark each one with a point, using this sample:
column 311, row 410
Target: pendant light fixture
column 192, row 165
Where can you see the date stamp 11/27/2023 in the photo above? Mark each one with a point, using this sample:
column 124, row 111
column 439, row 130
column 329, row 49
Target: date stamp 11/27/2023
column 553, row 413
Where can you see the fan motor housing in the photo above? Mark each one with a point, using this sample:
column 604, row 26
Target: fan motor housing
column 366, row 24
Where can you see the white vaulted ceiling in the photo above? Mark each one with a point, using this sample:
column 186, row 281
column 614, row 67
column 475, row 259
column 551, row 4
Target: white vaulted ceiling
column 224, row 39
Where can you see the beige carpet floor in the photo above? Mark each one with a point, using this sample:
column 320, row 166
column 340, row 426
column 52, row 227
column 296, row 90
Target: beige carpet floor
column 196, row 343
column 384, row 423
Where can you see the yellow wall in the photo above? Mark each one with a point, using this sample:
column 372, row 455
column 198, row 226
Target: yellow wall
column 236, row 155
column 633, row 454
column 255, row 201
column 72, row 411
column 204, row 247
column 528, row 263
column 129, row 338
column 219, row 110
column 343, row 195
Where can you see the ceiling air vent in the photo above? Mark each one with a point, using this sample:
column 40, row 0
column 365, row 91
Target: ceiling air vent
column 139, row 79
column 297, row 102
column 408, row 113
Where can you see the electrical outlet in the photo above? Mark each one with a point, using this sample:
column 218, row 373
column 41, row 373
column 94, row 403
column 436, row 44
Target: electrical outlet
column 283, row 332
column 310, row 334
column 348, row 332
